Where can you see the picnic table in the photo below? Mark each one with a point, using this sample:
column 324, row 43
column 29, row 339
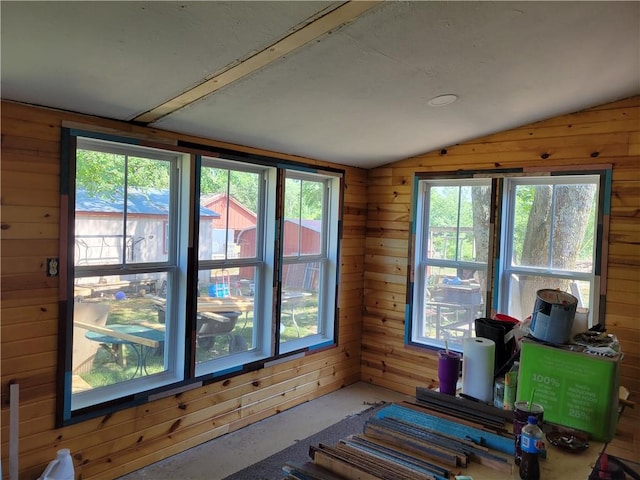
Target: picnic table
column 141, row 337
column 233, row 303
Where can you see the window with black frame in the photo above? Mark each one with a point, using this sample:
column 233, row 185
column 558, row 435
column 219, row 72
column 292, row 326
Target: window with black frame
column 234, row 262
column 489, row 241
column 125, row 240
column 309, row 254
column 144, row 313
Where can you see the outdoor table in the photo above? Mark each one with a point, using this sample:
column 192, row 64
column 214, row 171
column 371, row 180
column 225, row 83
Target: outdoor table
column 453, row 316
column 225, row 304
column 140, row 338
column 233, row 303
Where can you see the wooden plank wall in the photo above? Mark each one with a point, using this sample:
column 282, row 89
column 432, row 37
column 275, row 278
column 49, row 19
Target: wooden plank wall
column 110, row 446
column 608, row 134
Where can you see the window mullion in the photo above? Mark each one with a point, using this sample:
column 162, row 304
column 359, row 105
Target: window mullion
column 551, row 225
column 326, row 207
column 299, row 240
column 226, row 215
column 457, row 258
column 424, row 222
column 125, row 194
column 504, row 280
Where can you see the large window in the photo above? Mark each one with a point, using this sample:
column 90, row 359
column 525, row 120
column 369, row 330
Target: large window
column 124, row 203
column 451, row 261
column 549, row 241
column 181, row 269
column 309, row 260
column 488, row 244
column 234, row 301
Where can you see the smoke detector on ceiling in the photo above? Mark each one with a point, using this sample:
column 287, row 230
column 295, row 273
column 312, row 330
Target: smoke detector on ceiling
column 442, row 100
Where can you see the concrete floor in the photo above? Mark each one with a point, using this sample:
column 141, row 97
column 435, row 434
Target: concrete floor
column 237, row 450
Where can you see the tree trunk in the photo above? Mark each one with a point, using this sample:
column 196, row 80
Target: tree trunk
column 568, row 225
column 481, row 197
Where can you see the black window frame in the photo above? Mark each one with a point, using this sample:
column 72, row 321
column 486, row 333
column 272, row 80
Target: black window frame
column 494, row 283
column 194, row 152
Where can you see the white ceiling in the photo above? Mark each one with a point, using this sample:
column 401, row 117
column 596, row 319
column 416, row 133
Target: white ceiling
column 357, row 95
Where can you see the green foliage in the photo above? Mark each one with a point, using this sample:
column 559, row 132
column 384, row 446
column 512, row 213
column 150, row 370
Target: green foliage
column 98, row 172
column 242, row 186
column 444, row 219
column 131, row 311
column 586, row 251
column 443, row 206
column 102, row 174
column 525, row 195
column 303, row 199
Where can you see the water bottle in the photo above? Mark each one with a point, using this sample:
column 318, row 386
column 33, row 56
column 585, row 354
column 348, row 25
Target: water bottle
column 532, row 443
column 60, row 468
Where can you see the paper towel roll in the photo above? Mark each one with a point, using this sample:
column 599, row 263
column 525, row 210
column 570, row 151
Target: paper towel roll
column 478, row 359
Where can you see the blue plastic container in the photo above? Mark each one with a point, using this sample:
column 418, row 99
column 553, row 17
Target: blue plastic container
column 219, row 290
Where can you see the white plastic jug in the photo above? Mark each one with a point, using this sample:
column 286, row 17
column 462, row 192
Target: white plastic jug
column 60, row 468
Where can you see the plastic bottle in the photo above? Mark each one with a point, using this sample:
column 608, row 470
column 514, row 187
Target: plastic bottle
column 532, row 444
column 60, row 468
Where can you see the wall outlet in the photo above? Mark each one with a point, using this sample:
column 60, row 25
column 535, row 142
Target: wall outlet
column 52, row 267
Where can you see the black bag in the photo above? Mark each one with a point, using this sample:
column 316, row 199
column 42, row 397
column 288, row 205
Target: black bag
column 498, row 330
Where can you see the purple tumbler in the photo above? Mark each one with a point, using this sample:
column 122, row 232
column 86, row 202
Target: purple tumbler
column 448, row 371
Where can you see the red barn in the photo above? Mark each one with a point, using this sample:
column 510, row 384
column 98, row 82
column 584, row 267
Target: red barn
column 294, row 276
column 234, row 218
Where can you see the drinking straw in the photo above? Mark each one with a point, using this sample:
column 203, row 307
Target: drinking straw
column 533, row 391
column 446, row 346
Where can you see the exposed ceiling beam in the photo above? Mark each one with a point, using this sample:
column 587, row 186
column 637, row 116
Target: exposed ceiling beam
column 336, row 18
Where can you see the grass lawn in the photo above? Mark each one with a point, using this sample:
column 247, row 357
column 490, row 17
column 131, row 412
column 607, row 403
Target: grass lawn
column 118, row 363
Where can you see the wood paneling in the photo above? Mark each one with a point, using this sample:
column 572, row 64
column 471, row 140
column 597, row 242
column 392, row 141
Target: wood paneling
column 608, row 134
column 113, row 445
column 372, row 290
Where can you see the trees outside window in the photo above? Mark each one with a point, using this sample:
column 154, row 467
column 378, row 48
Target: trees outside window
column 549, row 240
column 487, row 245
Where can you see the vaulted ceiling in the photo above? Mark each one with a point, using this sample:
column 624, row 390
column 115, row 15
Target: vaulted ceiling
column 348, row 82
